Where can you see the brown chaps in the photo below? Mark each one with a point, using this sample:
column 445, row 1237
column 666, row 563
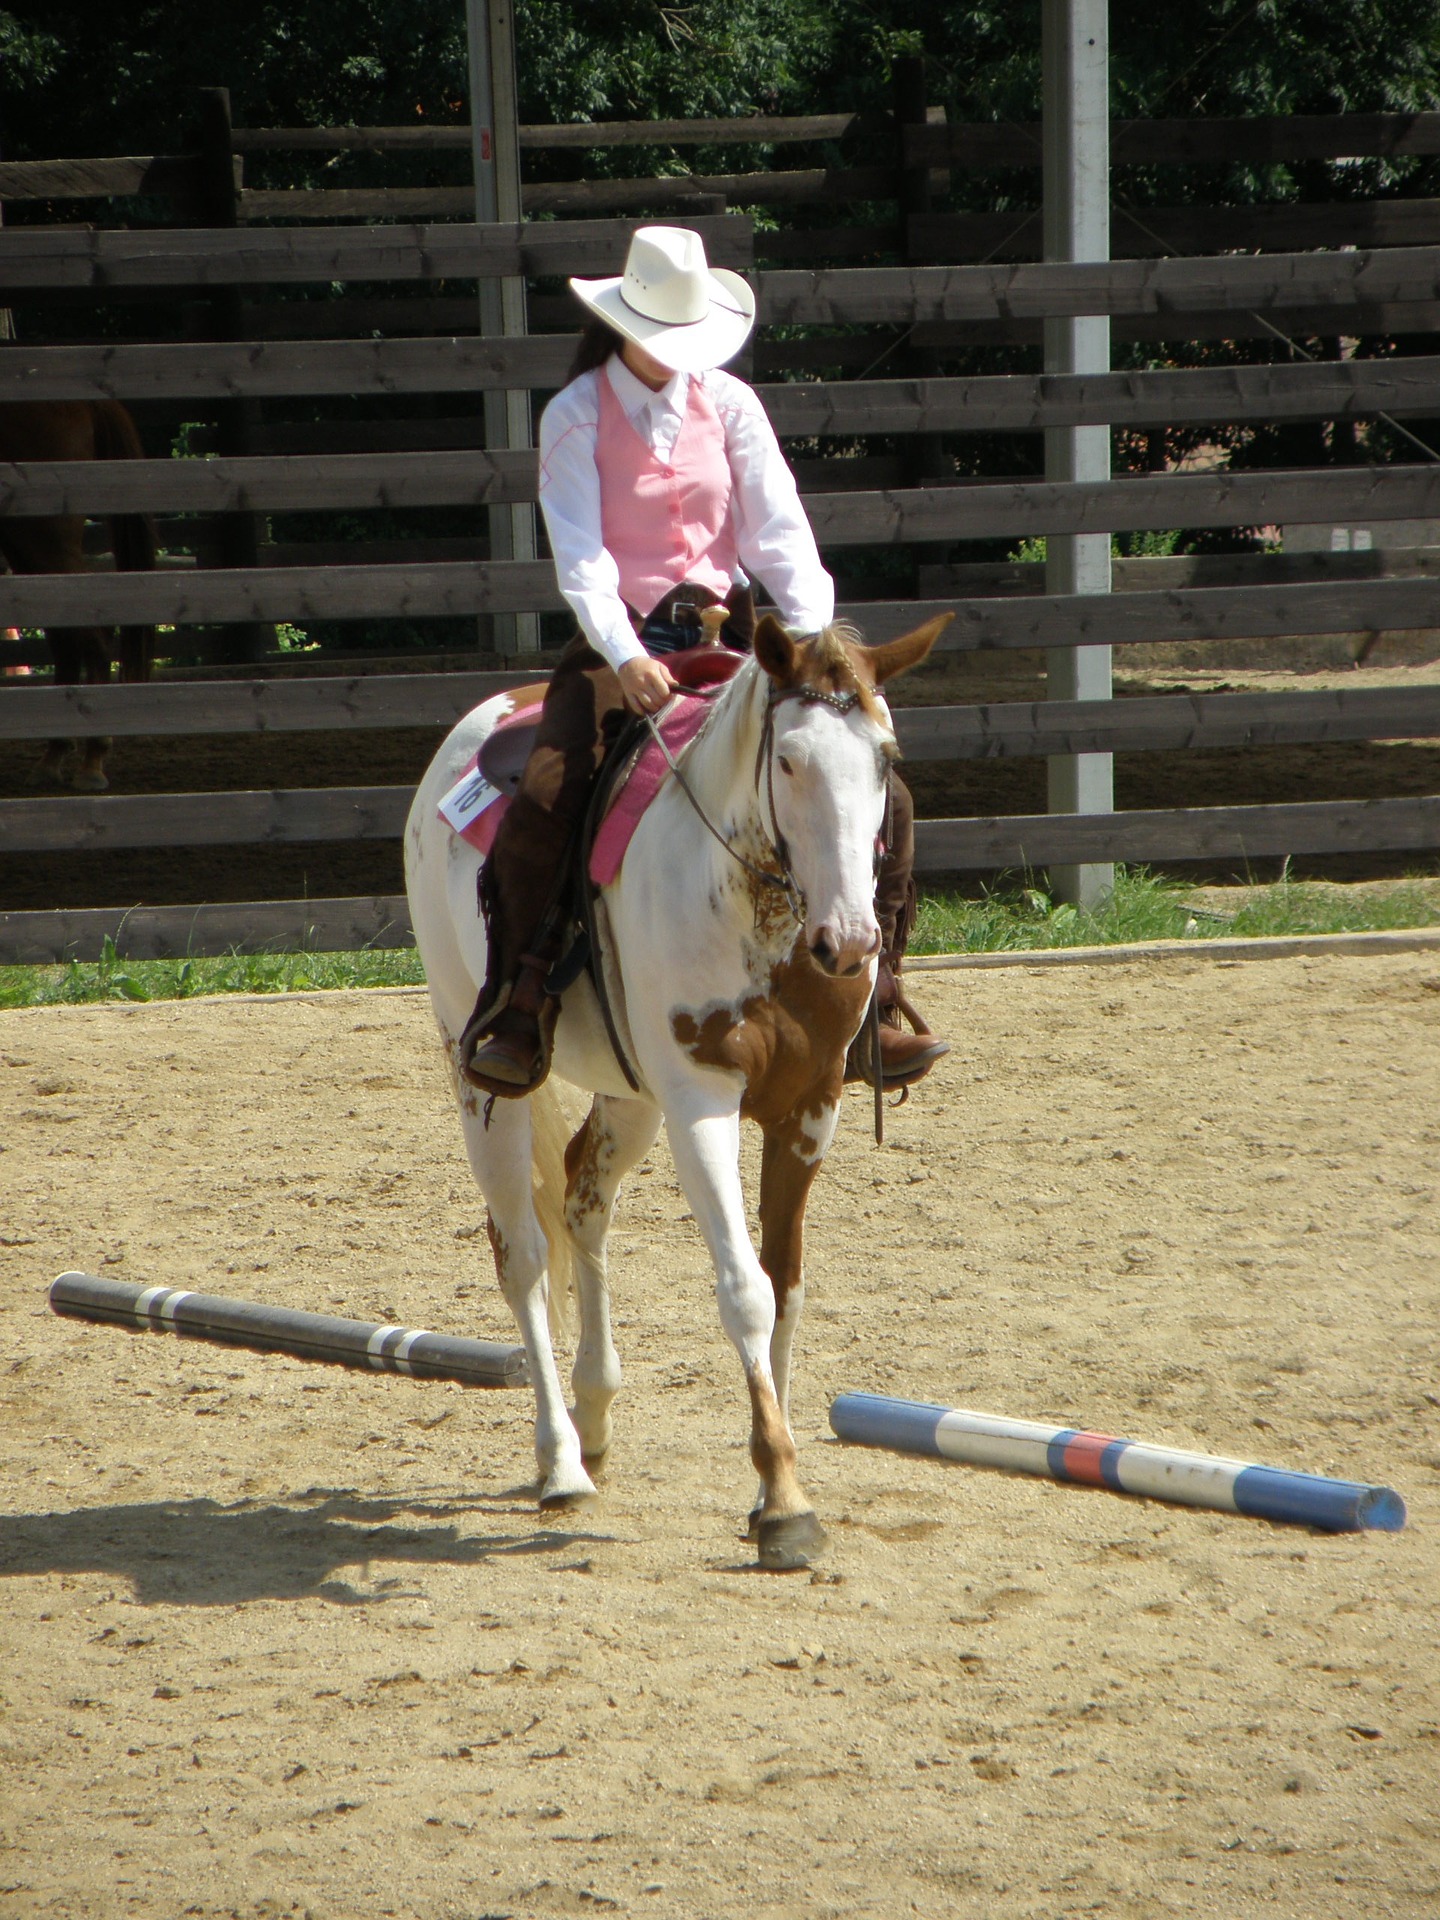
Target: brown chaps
column 522, row 882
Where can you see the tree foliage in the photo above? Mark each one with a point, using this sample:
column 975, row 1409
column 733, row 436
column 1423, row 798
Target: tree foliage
column 85, row 76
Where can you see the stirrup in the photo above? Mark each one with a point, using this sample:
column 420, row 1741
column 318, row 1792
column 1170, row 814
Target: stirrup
column 509, row 1074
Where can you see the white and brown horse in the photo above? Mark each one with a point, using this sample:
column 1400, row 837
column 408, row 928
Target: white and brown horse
column 71, row 430
column 737, row 995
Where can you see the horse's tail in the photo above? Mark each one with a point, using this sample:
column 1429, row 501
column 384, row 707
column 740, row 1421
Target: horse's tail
column 132, row 535
column 549, row 1134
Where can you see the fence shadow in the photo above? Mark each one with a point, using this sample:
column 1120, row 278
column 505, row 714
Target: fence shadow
column 202, row 1553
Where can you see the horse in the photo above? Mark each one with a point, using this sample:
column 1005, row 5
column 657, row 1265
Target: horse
column 77, row 430
column 740, row 957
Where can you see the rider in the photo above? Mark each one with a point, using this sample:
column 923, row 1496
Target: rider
column 663, row 487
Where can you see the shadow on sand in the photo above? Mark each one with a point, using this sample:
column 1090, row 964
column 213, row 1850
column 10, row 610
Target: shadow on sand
column 200, row 1553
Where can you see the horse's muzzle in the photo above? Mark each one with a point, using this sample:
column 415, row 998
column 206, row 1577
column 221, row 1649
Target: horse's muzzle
column 842, row 958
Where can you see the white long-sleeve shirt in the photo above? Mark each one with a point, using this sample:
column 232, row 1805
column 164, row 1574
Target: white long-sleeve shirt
column 772, row 535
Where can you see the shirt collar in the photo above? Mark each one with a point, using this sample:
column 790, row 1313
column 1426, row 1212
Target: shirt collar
column 634, row 396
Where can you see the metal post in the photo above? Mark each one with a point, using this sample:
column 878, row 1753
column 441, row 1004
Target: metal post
column 495, row 145
column 1075, row 60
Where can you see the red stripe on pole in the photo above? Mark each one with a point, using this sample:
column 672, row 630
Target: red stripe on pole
column 1082, row 1458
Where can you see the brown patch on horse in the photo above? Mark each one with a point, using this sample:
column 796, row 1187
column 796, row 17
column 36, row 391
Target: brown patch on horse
column 787, row 1174
column 789, row 1044
column 582, row 1169
column 772, row 1451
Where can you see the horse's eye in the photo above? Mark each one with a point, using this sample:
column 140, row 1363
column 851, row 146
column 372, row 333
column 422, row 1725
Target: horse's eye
column 785, row 766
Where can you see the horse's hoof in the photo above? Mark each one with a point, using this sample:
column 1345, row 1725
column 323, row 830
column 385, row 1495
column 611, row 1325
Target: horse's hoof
column 88, row 780
column 560, row 1496
column 564, row 1502
column 752, row 1524
column 790, row 1541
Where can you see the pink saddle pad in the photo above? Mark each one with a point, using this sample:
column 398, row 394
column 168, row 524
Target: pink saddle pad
column 681, row 722
column 478, row 803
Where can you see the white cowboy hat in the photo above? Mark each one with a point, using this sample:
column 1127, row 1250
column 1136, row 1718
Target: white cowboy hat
column 689, row 315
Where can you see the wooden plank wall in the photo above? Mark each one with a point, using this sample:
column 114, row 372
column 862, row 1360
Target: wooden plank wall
column 1390, row 284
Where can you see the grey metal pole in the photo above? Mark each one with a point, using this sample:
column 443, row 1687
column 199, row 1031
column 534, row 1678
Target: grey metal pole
column 495, row 146
column 305, row 1336
column 1075, row 61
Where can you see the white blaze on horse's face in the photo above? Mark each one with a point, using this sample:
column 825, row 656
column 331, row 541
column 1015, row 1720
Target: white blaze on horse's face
column 828, row 775
column 828, row 779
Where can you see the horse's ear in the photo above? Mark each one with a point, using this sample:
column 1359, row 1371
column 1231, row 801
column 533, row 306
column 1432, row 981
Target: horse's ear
column 896, row 656
column 775, row 650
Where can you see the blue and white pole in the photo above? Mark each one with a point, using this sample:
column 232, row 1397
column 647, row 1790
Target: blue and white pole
column 1126, row 1466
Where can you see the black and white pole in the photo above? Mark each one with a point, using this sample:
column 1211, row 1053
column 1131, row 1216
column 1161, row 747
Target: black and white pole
column 362, row 1344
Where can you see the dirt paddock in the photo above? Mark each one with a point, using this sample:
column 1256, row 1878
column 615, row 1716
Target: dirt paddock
column 277, row 1639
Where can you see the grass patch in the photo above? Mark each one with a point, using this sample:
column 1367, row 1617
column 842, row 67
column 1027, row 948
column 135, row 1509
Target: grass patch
column 1144, row 907
column 1016, row 918
column 112, row 977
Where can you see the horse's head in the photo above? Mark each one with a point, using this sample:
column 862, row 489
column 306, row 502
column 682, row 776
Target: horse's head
column 829, row 763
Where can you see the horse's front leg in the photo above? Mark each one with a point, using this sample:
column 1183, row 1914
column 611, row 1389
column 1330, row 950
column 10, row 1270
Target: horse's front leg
column 500, row 1158
column 706, row 1147
column 789, row 1162
column 616, row 1134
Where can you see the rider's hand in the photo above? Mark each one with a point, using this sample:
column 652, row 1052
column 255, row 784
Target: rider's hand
column 646, row 684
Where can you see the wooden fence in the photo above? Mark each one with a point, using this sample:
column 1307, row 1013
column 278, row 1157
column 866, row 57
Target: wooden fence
column 857, row 498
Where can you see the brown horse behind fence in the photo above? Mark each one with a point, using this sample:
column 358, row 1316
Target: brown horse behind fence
column 78, row 430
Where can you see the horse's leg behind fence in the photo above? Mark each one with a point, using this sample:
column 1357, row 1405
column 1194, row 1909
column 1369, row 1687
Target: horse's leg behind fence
column 55, row 544
column 706, row 1146
column 501, row 1157
column 616, row 1134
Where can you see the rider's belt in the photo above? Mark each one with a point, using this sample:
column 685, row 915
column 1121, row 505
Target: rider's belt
column 673, row 624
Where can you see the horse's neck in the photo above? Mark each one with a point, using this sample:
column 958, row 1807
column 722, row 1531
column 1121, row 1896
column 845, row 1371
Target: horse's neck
column 720, row 767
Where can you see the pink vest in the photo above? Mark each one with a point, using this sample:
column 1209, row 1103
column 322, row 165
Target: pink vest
column 664, row 522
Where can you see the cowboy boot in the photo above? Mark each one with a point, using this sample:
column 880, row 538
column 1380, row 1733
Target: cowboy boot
column 904, row 1057
column 509, row 1053
column 505, row 1046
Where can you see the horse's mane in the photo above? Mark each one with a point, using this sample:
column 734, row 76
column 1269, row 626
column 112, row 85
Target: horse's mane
column 832, row 655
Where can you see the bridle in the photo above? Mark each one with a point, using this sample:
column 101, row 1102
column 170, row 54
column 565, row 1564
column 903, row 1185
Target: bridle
column 784, row 881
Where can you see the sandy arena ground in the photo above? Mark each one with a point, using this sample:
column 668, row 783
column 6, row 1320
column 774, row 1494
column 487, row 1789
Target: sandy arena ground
column 277, row 1639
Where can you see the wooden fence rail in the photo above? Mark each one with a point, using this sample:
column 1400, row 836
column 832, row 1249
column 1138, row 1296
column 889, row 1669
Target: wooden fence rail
column 1020, row 403
column 778, row 130
column 980, row 510
column 101, row 259
column 1143, row 231
column 336, row 814
column 36, row 938
column 1006, row 730
column 1190, row 833
column 399, row 590
column 1252, row 140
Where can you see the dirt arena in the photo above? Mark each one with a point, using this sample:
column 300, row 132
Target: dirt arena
column 277, row 1639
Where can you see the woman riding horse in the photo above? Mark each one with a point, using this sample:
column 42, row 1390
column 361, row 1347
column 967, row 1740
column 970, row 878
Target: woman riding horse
column 663, row 487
